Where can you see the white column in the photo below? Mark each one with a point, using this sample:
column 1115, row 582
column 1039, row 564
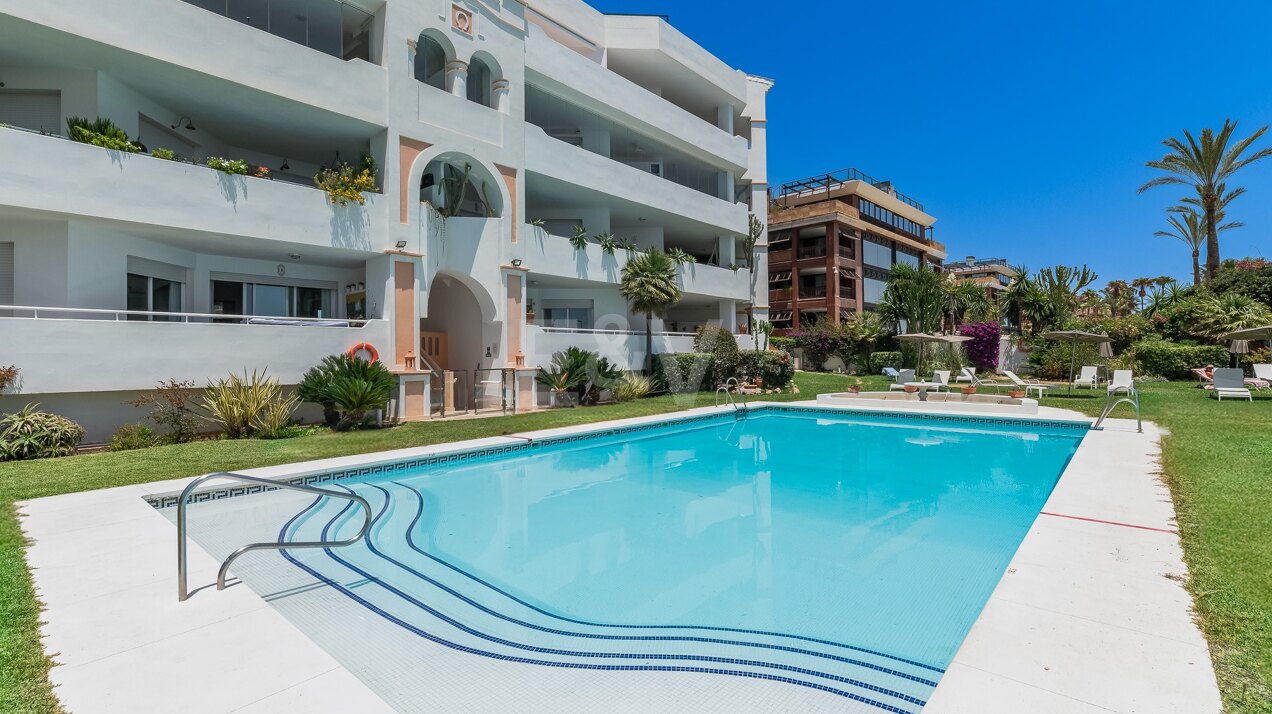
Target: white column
column 728, row 251
column 500, row 89
column 457, row 77
column 727, row 186
column 729, row 315
column 724, row 118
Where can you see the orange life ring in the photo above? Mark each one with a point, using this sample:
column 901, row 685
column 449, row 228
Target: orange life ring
column 364, row 347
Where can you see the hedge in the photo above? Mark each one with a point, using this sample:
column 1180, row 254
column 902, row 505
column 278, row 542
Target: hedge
column 775, row 367
column 683, row 372
column 879, row 360
column 1167, row 359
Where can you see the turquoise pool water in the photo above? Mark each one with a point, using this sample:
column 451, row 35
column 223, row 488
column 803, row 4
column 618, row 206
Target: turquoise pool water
column 847, row 553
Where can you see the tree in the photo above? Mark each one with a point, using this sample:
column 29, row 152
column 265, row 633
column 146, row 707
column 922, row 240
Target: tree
column 914, row 296
column 1189, row 226
column 1061, row 287
column 861, row 331
column 1207, row 164
column 649, row 286
column 963, row 298
column 1117, row 296
column 1251, row 277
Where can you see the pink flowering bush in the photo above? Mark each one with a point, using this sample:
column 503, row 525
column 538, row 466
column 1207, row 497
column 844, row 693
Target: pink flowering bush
column 983, row 349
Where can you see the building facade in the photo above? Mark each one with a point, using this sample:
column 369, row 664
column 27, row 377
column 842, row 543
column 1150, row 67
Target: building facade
column 833, row 240
column 994, row 274
column 498, row 129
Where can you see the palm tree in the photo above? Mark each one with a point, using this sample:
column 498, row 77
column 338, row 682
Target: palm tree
column 962, row 299
column 915, row 296
column 1206, row 164
column 1140, row 286
column 649, row 285
column 1188, row 226
column 1117, row 295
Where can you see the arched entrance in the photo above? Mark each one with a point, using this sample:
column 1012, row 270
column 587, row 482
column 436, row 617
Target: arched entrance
column 456, row 333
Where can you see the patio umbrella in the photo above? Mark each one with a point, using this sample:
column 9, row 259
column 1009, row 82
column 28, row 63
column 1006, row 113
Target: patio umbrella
column 1237, row 347
column 1073, row 337
column 1251, row 334
column 920, row 339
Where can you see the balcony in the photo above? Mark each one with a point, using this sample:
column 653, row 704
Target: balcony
column 808, row 252
column 563, row 162
column 177, row 50
column 190, row 349
column 779, row 256
column 329, row 26
column 186, row 201
column 547, row 254
column 586, row 84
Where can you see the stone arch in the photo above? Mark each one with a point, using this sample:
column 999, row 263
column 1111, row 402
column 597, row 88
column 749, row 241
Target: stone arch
column 484, row 73
column 480, row 196
column 433, row 52
column 413, row 180
column 463, row 310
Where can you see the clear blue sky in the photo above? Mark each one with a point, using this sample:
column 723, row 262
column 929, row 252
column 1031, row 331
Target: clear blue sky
column 1023, row 127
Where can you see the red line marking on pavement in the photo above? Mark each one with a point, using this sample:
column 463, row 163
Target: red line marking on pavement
column 1110, row 523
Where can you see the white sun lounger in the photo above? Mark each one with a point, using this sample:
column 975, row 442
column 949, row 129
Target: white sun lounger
column 1230, row 383
column 967, row 374
column 1263, row 372
column 903, row 376
column 1087, row 377
column 1034, row 386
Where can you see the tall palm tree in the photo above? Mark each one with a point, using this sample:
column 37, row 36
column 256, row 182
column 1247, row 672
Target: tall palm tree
column 649, row 285
column 914, row 296
column 1206, row 164
column 1117, row 295
column 963, row 299
column 1188, row 225
column 1140, row 286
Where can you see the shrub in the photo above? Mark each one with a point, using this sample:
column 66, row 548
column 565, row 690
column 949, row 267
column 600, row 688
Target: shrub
column 1173, row 361
column 818, row 343
column 167, row 154
column 8, row 377
column 775, row 368
column 346, row 184
column 1053, row 360
column 233, row 167
column 783, row 343
column 886, row 359
column 244, row 405
column 356, row 397
column 633, row 387
column 131, row 437
column 100, row 132
column 982, row 350
column 32, row 434
column 580, row 372
column 1259, row 355
column 719, row 342
column 172, row 409
column 683, row 372
column 315, row 386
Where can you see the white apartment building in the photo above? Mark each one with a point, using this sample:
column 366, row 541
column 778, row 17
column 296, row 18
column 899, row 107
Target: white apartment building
column 118, row 270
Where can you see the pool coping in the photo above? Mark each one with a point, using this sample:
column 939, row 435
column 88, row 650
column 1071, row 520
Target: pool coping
column 1059, row 656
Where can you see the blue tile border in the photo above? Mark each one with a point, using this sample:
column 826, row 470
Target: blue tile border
column 531, row 446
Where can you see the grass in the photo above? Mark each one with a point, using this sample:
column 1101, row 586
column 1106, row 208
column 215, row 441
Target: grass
column 1218, row 462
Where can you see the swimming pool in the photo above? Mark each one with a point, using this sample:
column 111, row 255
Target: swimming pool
column 842, row 552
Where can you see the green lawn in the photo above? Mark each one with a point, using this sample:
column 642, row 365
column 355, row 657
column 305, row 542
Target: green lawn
column 1218, row 460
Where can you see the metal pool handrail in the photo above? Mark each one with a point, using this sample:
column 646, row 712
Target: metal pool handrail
column 183, row 593
column 728, row 390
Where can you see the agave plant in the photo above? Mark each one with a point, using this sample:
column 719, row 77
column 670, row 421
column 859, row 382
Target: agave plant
column 627, row 244
column 633, row 387
column 679, row 257
column 32, row 434
column 579, row 239
column 608, row 243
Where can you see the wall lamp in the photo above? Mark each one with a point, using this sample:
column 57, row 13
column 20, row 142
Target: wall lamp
column 516, row 263
column 401, row 245
column 185, row 121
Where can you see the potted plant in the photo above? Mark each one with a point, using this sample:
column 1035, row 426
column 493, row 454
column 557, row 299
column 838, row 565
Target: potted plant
column 911, row 389
column 855, row 387
column 1016, row 393
column 969, row 389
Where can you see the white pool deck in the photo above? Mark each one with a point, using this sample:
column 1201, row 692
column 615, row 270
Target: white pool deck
column 1091, row 616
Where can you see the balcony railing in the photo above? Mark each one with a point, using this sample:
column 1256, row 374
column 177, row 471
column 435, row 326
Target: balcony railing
column 329, row 26
column 812, row 251
column 780, row 256
column 80, row 313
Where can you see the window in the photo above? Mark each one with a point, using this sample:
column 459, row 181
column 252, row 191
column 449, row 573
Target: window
column 907, row 257
column 812, row 286
column 150, row 294
column 6, row 274
column 36, row 110
column 876, row 253
column 575, row 318
column 430, row 63
column 234, row 297
column 334, row 27
column 872, row 290
column 479, row 80
column 889, row 218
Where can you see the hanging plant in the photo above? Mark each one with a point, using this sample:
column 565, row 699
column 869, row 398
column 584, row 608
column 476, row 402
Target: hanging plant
column 607, row 242
column 579, row 239
column 346, row 184
column 628, row 245
column 680, row 257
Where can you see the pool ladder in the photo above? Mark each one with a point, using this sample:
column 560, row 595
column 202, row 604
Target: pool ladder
column 183, row 593
column 1122, row 395
column 731, row 387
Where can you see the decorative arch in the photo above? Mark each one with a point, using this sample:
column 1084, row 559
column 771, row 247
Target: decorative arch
column 413, row 180
column 433, row 52
column 456, row 182
column 485, row 301
column 484, row 73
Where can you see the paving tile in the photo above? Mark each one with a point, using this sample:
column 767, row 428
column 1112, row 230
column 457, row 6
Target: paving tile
column 967, row 690
column 334, row 692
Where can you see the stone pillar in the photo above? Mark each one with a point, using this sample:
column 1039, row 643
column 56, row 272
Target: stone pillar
column 457, row 78
column 499, row 95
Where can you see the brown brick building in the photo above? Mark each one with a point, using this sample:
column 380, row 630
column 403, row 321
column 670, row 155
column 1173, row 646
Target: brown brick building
column 832, row 242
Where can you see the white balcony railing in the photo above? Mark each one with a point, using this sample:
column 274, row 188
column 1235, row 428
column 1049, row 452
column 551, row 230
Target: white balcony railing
column 37, row 312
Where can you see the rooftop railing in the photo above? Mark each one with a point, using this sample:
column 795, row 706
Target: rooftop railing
column 830, row 182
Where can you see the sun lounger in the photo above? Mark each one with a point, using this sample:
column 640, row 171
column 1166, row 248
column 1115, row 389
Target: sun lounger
column 941, row 378
column 1088, row 377
column 967, row 374
column 1033, row 386
column 1230, row 383
column 903, row 376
